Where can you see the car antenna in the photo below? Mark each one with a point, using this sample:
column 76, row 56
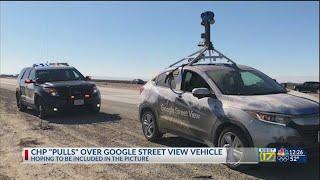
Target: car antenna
column 207, row 20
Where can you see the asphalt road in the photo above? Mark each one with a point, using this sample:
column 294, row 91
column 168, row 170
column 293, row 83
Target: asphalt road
column 117, row 125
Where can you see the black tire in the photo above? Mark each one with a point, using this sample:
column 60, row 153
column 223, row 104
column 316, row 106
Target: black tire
column 20, row 105
column 94, row 110
column 42, row 110
column 149, row 126
column 232, row 130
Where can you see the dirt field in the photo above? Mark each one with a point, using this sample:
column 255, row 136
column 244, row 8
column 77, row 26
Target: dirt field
column 116, row 125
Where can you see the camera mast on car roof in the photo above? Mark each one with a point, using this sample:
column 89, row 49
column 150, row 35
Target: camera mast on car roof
column 208, row 51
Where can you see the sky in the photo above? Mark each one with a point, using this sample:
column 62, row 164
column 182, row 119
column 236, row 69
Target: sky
column 138, row 39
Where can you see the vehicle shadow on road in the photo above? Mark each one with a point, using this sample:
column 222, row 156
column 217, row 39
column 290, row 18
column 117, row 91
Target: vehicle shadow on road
column 176, row 141
column 263, row 171
column 79, row 117
column 84, row 118
column 287, row 171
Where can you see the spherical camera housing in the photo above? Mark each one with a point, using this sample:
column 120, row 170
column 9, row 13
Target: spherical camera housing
column 207, row 17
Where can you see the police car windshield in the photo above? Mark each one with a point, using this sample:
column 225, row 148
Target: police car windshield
column 51, row 75
column 244, row 82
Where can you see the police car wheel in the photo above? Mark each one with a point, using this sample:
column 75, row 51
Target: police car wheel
column 232, row 137
column 95, row 110
column 20, row 105
column 150, row 127
column 42, row 111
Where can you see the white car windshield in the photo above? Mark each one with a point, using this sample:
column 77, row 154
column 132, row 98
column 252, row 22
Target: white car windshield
column 244, row 82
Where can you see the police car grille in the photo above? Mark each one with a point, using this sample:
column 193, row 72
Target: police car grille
column 77, row 91
column 80, row 91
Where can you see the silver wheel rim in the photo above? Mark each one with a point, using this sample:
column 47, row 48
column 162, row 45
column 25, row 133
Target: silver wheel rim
column 232, row 141
column 148, row 124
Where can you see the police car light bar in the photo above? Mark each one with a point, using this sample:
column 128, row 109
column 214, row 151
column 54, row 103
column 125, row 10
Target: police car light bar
column 39, row 64
column 49, row 64
column 58, row 64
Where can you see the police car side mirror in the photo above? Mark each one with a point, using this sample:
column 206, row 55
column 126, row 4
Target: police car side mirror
column 201, row 93
column 87, row 78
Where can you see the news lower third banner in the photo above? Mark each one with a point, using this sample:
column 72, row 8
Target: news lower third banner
column 159, row 155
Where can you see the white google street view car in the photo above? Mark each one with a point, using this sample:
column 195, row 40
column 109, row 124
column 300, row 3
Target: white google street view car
column 226, row 105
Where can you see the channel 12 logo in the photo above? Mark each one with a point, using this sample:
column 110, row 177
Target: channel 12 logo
column 294, row 155
column 267, row 154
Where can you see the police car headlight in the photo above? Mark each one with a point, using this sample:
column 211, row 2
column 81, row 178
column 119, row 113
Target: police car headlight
column 51, row 91
column 95, row 89
column 279, row 119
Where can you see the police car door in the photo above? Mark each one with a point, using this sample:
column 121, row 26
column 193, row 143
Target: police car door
column 200, row 119
column 23, row 85
column 30, row 88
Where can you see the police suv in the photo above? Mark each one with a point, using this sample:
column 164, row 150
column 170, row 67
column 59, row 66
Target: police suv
column 55, row 87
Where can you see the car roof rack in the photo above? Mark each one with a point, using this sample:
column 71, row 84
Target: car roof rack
column 208, row 52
